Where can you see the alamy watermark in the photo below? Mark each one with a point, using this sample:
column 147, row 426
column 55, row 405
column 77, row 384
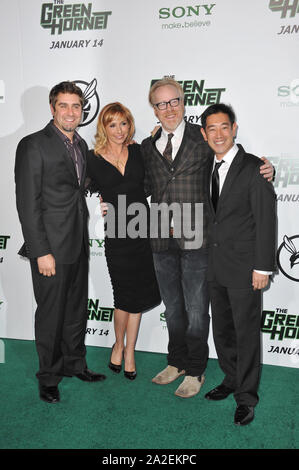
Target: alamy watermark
column 177, row 220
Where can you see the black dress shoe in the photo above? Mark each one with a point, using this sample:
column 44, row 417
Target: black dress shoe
column 89, row 376
column 130, row 375
column 49, row 394
column 219, row 393
column 244, row 414
column 114, row 367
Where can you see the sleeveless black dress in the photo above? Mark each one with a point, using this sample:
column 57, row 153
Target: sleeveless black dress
column 129, row 260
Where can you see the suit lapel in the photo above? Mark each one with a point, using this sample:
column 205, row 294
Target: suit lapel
column 232, row 174
column 83, row 151
column 156, row 154
column 186, row 149
column 58, row 147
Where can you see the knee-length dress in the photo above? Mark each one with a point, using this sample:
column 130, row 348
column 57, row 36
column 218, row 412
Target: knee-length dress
column 129, row 260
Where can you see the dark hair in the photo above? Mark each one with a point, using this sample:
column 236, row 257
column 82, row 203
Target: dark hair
column 215, row 109
column 65, row 87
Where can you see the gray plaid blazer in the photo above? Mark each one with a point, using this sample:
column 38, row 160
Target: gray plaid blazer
column 185, row 180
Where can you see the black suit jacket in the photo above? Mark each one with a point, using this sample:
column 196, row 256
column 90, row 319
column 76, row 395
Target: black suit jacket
column 50, row 202
column 243, row 229
column 185, row 180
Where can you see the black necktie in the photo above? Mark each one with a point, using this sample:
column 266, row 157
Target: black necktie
column 215, row 184
column 168, row 149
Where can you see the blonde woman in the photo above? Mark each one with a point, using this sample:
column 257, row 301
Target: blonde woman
column 117, row 172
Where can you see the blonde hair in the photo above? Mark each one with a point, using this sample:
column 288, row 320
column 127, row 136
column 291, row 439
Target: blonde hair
column 163, row 82
column 106, row 116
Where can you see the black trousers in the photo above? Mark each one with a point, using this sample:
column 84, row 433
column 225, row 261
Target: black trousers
column 236, row 317
column 60, row 319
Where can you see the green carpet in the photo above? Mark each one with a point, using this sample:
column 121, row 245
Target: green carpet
column 119, row 414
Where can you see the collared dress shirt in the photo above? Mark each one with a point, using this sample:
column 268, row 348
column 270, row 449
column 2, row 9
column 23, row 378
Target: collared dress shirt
column 176, row 141
column 73, row 149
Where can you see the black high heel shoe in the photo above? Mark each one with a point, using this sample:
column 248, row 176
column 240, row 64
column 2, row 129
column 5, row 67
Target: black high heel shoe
column 130, row 375
column 114, row 367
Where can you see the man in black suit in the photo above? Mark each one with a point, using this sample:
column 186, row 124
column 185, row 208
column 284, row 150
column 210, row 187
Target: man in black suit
column 49, row 173
column 241, row 258
column 177, row 162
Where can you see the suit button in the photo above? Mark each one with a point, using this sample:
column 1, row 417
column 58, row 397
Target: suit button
column 171, row 169
column 215, row 244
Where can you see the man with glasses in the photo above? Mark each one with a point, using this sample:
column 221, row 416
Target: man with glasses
column 177, row 162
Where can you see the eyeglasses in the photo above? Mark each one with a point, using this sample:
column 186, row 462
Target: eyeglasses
column 163, row 104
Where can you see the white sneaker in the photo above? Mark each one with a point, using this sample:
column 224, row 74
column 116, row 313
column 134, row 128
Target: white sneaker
column 190, row 386
column 167, row 375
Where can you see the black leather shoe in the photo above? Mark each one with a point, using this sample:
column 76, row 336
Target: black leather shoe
column 219, row 393
column 244, row 414
column 114, row 367
column 89, row 376
column 49, row 394
column 130, row 375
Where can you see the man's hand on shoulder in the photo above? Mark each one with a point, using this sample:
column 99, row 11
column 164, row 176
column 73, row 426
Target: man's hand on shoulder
column 267, row 170
column 155, row 130
column 46, row 265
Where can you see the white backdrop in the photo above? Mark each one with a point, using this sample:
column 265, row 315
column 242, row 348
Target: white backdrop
column 238, row 52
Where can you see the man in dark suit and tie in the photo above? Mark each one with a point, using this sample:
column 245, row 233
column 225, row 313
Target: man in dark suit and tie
column 241, row 258
column 177, row 162
column 50, row 174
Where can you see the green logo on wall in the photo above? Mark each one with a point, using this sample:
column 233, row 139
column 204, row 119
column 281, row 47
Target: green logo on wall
column 285, row 6
column 280, row 324
column 197, row 94
column 3, row 241
column 98, row 313
column 60, row 18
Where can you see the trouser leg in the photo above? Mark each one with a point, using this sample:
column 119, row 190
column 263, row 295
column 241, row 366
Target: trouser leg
column 224, row 333
column 75, row 318
column 246, row 307
column 181, row 275
column 168, row 273
column 196, row 296
column 236, row 331
column 60, row 320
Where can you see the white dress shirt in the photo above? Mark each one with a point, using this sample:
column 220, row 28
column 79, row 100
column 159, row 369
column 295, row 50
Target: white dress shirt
column 223, row 170
column 176, row 141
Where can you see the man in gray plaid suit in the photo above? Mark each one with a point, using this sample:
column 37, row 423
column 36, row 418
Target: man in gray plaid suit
column 177, row 164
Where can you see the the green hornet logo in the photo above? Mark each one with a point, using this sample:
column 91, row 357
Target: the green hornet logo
column 3, row 241
column 285, row 6
column 60, row 18
column 197, row 94
column 280, row 325
column 98, row 313
column 286, row 172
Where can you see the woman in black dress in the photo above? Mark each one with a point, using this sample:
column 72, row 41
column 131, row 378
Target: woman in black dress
column 117, row 172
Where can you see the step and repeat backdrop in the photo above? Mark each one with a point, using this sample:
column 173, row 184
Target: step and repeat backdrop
column 233, row 51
